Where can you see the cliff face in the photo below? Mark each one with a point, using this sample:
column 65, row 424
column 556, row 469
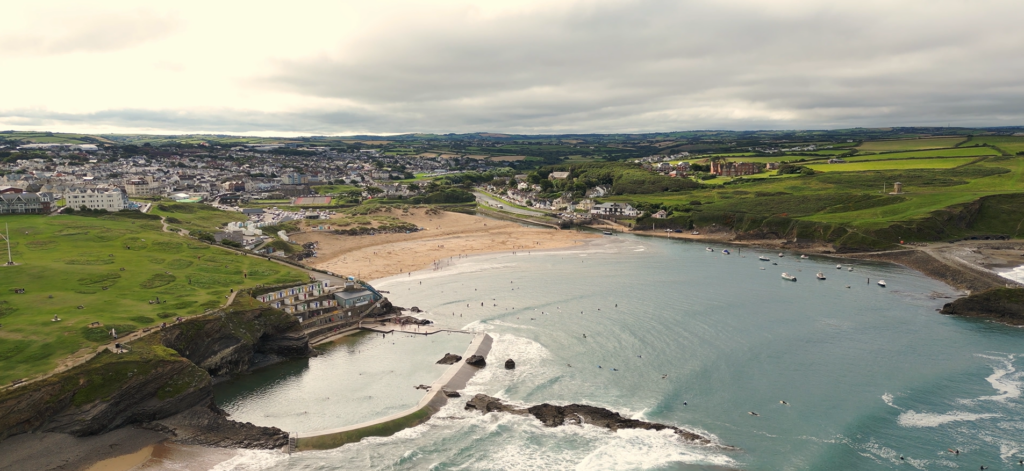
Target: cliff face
column 225, row 344
column 164, row 374
column 1004, row 305
column 105, row 393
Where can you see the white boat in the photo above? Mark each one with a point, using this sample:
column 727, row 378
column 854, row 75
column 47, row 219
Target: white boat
column 762, row 268
column 726, row 251
column 787, row 276
column 709, row 249
column 781, row 254
column 839, row 267
column 820, row 275
column 804, row 257
column 881, row 283
column 849, row 269
column 763, row 259
column 607, row 232
column 695, row 233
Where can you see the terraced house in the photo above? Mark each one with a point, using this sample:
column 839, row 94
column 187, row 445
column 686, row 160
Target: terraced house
column 26, row 203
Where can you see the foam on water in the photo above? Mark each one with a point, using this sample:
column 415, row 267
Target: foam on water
column 1004, row 378
column 925, row 419
column 252, row 460
column 1016, row 274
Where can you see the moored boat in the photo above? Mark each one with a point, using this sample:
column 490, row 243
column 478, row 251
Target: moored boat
column 763, row 259
column 839, row 267
column 820, row 275
column 607, row 232
column 804, row 257
column 787, row 276
column 709, row 249
column 781, row 254
column 726, row 251
column 881, row 283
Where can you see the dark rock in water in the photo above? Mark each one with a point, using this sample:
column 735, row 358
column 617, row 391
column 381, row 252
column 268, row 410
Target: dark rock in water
column 450, row 393
column 477, row 361
column 509, row 364
column 577, row 414
column 414, row 309
column 449, row 359
column 1004, row 305
column 422, row 386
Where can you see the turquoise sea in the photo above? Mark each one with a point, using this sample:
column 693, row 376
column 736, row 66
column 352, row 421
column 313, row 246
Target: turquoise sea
column 870, row 374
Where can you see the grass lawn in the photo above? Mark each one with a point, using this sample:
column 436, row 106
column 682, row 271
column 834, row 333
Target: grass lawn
column 902, row 164
column 910, row 144
column 193, row 216
column 70, row 261
column 334, row 189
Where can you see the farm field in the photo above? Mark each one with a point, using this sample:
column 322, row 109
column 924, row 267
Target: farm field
column 1010, row 144
column 910, row 144
column 854, row 198
column 113, row 267
column 957, row 152
column 901, row 164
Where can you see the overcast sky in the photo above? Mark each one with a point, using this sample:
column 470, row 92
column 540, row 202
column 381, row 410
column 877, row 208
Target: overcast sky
column 522, row 66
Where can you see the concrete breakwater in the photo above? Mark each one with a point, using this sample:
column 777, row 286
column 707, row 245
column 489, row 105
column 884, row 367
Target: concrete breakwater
column 454, row 379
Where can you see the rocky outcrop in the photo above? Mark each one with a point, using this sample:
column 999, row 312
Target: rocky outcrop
column 577, row 414
column 210, row 426
column 226, row 343
column 477, row 361
column 510, row 364
column 105, row 393
column 162, row 375
column 449, row 359
column 1004, row 305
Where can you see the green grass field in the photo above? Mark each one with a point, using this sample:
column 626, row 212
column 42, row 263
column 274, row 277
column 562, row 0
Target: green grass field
column 335, row 189
column 910, row 144
column 1010, row 144
column 904, row 164
column 194, row 216
column 854, row 197
column 959, row 152
column 70, row 261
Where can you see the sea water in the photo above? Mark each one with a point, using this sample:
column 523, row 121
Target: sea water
column 870, row 374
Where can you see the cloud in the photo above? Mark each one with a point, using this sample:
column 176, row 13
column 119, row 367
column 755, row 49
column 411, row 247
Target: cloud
column 64, row 34
column 560, row 66
column 667, row 63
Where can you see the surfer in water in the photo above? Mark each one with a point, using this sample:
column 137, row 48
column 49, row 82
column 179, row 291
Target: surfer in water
column 755, row 414
column 784, row 403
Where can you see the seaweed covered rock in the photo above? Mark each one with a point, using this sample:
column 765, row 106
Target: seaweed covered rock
column 1004, row 305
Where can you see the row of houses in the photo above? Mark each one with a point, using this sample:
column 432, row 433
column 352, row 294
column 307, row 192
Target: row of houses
column 320, row 298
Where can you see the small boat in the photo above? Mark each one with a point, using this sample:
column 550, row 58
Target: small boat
column 695, row 233
column 781, row 254
column 881, row 283
column 763, row 259
column 820, row 275
column 709, row 249
column 762, row 268
column 849, row 269
column 787, row 276
column 726, row 251
column 773, row 263
column 804, row 257
column 607, row 232
column 839, row 267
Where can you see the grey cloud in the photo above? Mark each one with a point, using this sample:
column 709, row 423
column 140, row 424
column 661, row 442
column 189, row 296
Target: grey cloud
column 626, row 62
column 94, row 33
column 647, row 65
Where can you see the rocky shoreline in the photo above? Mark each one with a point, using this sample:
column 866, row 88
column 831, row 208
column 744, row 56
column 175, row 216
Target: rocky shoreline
column 578, row 414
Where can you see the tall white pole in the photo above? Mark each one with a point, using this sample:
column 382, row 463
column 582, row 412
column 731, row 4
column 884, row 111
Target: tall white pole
column 8, row 239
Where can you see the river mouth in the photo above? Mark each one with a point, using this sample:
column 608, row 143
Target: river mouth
column 356, row 378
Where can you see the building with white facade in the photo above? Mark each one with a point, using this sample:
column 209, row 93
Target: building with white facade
column 110, row 200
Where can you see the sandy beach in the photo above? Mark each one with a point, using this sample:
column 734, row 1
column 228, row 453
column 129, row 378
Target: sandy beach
column 445, row 235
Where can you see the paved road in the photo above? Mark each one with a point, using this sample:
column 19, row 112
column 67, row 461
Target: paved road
column 490, row 201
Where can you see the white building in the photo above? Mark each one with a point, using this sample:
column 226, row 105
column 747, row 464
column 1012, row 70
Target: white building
column 110, row 200
column 614, row 209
